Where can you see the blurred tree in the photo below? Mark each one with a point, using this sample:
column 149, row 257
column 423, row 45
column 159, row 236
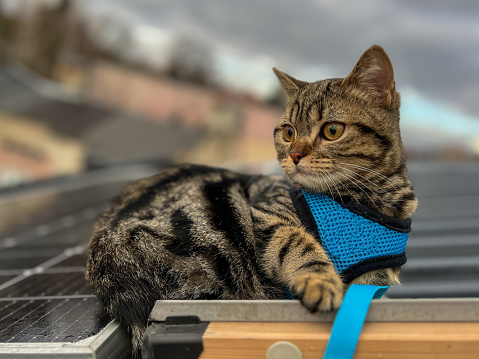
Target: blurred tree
column 49, row 37
column 7, row 30
column 47, row 34
column 78, row 42
column 277, row 98
column 191, row 61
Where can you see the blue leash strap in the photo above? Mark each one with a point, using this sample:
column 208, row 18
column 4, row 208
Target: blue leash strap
column 350, row 319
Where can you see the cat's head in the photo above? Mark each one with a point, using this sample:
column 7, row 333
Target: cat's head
column 341, row 136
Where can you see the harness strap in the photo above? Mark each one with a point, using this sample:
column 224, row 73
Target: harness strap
column 350, row 319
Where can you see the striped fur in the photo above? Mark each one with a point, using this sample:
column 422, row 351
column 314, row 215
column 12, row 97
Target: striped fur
column 196, row 232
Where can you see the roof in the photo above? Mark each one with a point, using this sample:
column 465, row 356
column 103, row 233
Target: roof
column 125, row 138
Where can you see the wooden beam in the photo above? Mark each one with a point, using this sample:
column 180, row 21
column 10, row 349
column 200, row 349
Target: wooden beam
column 394, row 340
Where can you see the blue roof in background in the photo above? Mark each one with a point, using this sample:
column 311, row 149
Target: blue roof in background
column 419, row 111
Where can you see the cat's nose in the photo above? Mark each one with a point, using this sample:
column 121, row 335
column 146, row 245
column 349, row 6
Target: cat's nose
column 296, row 156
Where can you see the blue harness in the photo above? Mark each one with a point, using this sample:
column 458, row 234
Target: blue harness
column 357, row 240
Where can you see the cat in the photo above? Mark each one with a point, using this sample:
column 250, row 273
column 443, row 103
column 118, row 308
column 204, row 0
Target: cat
column 197, row 232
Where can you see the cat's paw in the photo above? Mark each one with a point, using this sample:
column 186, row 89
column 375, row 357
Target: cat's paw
column 319, row 291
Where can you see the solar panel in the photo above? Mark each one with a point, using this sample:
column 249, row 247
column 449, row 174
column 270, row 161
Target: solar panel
column 6, row 278
column 46, row 304
column 443, row 249
column 35, row 320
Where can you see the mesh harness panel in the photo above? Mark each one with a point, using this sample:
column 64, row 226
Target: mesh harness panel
column 356, row 238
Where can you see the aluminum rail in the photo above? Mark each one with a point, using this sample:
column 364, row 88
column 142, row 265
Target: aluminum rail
column 384, row 310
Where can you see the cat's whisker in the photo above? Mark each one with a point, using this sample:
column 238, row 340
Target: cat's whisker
column 376, row 173
column 327, row 184
column 359, row 184
column 331, row 178
column 327, row 181
column 337, row 189
column 345, row 187
column 369, row 188
column 366, row 169
column 382, row 191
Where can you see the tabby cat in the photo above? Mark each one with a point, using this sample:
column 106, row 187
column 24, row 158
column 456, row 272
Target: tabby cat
column 195, row 232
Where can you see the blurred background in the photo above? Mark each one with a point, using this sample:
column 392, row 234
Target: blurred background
column 88, row 84
column 97, row 93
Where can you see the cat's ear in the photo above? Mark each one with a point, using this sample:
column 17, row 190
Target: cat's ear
column 373, row 77
column 289, row 83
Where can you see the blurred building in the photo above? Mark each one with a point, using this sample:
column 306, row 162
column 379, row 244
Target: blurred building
column 38, row 140
column 45, row 133
column 30, row 150
column 237, row 127
column 118, row 86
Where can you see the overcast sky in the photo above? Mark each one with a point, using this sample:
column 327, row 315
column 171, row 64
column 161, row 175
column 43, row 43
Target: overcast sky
column 433, row 45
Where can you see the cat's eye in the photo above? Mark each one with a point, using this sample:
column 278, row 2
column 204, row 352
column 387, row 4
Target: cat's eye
column 332, row 131
column 288, row 133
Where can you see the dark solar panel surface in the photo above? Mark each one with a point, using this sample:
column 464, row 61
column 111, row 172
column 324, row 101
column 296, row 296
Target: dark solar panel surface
column 443, row 248
column 44, row 297
column 6, row 278
column 50, row 320
column 49, row 284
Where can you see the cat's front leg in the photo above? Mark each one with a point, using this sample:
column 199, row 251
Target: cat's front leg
column 318, row 291
column 295, row 258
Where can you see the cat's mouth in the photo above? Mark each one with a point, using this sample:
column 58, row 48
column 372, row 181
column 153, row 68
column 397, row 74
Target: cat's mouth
column 314, row 181
column 302, row 172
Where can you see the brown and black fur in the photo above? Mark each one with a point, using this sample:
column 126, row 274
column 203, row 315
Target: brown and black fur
column 195, row 232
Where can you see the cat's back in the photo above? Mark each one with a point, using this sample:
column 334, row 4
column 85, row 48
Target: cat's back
column 186, row 199
column 190, row 232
